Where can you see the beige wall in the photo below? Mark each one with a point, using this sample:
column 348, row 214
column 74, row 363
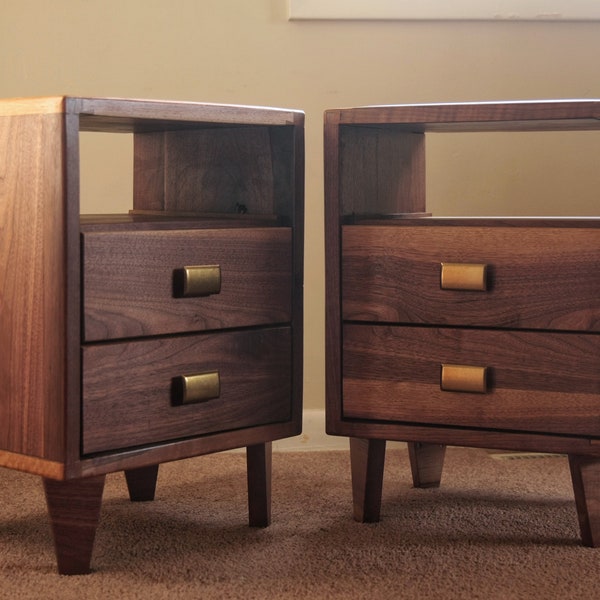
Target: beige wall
column 247, row 52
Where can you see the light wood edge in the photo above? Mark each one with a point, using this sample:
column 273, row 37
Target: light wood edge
column 32, row 464
column 32, row 106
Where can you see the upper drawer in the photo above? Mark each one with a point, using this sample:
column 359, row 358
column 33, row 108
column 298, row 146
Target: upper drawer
column 491, row 379
column 534, row 277
column 132, row 280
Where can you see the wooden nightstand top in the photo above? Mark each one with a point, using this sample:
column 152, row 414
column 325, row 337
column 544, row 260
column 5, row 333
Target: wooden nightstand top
column 533, row 115
column 104, row 113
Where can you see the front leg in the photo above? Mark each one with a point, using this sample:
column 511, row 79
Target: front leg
column 258, row 462
column 367, row 458
column 74, row 509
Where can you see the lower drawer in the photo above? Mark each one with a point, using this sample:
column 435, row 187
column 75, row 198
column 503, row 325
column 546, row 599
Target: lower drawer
column 534, row 381
column 133, row 392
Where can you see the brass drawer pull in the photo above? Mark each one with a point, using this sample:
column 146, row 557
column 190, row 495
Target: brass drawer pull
column 463, row 378
column 192, row 282
column 189, row 389
column 463, row 276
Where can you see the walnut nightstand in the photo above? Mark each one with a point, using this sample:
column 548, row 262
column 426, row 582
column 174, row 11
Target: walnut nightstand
column 465, row 331
column 169, row 332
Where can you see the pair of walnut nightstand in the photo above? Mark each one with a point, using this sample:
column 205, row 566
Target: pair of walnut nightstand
column 176, row 330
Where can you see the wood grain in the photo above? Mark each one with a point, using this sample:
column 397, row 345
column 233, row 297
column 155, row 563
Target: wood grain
column 538, row 382
column 128, row 396
column 31, row 464
column 130, row 458
column 74, row 509
column 538, row 277
column 33, row 275
column 14, row 107
column 464, row 436
column 219, row 170
column 480, row 116
column 129, row 115
column 367, row 458
column 210, row 170
column 426, row 463
column 149, row 162
column 382, row 171
column 128, row 281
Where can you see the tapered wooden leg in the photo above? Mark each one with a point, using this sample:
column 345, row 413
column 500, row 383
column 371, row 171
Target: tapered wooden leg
column 141, row 483
column 367, row 458
column 426, row 463
column 258, row 461
column 585, row 473
column 74, row 508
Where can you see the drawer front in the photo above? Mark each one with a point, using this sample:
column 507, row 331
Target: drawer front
column 540, row 278
column 534, row 381
column 133, row 281
column 133, row 393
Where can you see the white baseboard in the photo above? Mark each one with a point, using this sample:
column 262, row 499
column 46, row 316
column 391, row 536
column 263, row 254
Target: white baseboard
column 313, row 437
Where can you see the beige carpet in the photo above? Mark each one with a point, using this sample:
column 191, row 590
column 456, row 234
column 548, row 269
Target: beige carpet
column 495, row 529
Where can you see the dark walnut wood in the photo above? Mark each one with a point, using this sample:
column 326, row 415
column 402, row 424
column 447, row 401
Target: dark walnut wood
column 426, row 462
column 367, row 459
column 392, row 328
column 141, row 483
column 95, row 331
column 255, row 386
column 537, row 381
column 537, row 277
column 259, row 463
column 206, row 167
column 74, row 509
column 397, row 160
column 545, row 115
column 129, row 281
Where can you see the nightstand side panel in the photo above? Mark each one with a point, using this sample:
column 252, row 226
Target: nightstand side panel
column 32, row 272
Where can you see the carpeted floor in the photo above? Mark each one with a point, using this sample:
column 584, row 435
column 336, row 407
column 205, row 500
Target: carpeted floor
column 497, row 528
